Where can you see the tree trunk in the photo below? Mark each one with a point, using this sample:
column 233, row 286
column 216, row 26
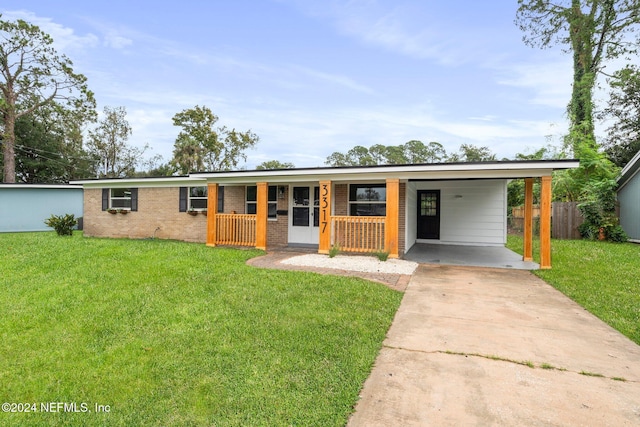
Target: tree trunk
column 9, row 139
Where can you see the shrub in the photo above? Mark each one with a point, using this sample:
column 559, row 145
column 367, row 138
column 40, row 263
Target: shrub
column 63, row 224
column 334, row 250
column 382, row 256
column 616, row 234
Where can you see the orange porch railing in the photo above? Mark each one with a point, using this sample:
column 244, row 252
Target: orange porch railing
column 236, row 229
column 359, row 233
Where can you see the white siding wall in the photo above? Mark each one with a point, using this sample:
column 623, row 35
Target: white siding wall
column 411, row 210
column 479, row 217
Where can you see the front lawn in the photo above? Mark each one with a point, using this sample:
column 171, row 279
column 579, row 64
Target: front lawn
column 172, row 333
column 602, row 277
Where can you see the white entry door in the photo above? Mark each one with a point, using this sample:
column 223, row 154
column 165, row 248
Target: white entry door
column 305, row 214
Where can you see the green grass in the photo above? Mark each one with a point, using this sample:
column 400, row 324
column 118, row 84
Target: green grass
column 172, row 333
column 602, row 277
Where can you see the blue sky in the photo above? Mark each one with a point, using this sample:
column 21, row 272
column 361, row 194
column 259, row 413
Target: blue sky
column 314, row 77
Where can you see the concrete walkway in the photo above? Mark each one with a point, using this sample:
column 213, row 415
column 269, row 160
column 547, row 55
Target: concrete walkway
column 481, row 346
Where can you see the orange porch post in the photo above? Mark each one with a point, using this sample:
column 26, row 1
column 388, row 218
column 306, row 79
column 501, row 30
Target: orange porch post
column 391, row 222
column 545, row 223
column 212, row 213
column 325, row 217
column 528, row 219
column 262, row 212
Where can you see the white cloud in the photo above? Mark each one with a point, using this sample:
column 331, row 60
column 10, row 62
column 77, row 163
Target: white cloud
column 550, row 82
column 64, row 38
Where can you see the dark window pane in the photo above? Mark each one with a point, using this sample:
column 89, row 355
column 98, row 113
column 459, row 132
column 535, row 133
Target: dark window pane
column 301, row 196
column 121, row 203
column 301, row 217
column 120, row 192
column 316, row 216
column 273, row 193
column 251, row 208
column 368, row 209
column 199, row 203
column 273, row 208
column 198, row 191
column 360, row 193
column 252, row 193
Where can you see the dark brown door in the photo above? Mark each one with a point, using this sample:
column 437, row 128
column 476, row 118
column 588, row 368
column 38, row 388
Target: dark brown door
column 428, row 214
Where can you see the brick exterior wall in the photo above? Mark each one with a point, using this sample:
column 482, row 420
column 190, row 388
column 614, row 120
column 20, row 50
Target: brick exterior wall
column 158, row 216
column 234, row 199
column 278, row 229
column 341, row 199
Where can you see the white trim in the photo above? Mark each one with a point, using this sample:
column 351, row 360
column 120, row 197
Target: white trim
column 626, row 169
column 18, row 186
column 173, row 181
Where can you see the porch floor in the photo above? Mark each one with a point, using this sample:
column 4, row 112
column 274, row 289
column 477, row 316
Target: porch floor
column 476, row 256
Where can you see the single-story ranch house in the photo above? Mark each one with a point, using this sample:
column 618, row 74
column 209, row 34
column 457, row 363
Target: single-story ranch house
column 360, row 209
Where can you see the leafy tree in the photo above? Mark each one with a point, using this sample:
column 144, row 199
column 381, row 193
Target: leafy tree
column 33, row 75
column 594, row 31
column 275, row 164
column 412, row 152
column 108, row 143
column 49, row 147
column 623, row 137
column 201, row 145
column 472, row 153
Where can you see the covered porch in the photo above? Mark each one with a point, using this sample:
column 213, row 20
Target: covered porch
column 390, row 226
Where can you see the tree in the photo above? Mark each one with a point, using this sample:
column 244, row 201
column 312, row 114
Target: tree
column 108, row 143
column 201, row 145
column 48, row 146
column 33, row 75
column 413, row 152
column 275, row 164
column 594, row 31
column 623, row 137
column 472, row 153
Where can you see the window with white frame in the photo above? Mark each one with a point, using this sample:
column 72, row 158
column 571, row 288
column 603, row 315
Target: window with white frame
column 252, row 199
column 367, row 200
column 198, row 198
column 120, row 198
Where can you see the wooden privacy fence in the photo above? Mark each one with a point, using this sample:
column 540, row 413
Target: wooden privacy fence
column 236, row 229
column 565, row 220
column 359, row 233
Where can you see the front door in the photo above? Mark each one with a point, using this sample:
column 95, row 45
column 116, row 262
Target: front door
column 428, row 214
column 305, row 214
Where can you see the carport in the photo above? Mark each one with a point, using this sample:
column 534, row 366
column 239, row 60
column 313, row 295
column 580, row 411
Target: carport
column 472, row 256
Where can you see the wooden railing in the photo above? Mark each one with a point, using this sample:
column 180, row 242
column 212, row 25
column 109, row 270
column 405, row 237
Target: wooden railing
column 236, row 229
column 358, row 233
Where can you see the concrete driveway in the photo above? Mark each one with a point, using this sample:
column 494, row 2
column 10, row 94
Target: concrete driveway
column 482, row 346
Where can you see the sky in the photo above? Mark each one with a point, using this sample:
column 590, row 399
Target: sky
column 313, row 77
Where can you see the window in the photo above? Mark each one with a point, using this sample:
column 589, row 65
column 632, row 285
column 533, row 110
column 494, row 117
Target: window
column 120, row 198
column 367, row 200
column 196, row 198
column 252, row 198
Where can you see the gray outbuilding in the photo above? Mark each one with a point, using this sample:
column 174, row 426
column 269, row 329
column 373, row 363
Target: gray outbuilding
column 25, row 207
column 629, row 198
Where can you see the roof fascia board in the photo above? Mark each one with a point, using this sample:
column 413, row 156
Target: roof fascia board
column 147, row 182
column 23, row 186
column 630, row 170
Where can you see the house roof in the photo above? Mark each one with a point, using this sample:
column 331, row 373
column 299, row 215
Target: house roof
column 430, row 171
column 629, row 171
